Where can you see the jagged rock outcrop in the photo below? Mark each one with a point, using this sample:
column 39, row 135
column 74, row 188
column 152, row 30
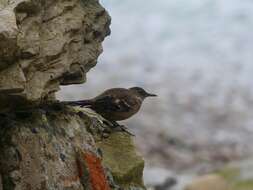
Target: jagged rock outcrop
column 45, row 145
column 62, row 148
column 44, row 44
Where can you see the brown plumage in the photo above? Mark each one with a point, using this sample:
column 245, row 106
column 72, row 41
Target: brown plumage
column 115, row 104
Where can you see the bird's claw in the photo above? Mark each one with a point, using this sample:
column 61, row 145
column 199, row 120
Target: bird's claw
column 125, row 129
column 114, row 124
column 121, row 127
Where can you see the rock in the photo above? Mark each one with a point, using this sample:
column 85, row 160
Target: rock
column 168, row 184
column 1, row 185
column 43, row 144
column 209, row 182
column 45, row 44
column 239, row 174
column 12, row 80
column 8, row 37
column 53, row 148
column 159, row 178
column 128, row 169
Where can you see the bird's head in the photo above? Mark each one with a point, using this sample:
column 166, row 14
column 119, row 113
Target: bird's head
column 141, row 92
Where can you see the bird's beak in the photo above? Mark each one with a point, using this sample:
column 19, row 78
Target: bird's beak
column 151, row 95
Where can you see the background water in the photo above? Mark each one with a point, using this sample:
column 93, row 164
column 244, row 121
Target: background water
column 196, row 54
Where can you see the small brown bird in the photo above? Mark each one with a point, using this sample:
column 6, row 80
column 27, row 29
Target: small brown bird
column 115, row 104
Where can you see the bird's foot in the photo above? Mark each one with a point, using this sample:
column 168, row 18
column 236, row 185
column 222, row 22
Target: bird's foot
column 101, row 129
column 123, row 128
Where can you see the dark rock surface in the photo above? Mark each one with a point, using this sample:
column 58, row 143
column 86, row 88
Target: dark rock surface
column 58, row 149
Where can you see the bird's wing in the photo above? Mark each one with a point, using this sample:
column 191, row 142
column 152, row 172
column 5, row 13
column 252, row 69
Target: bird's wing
column 110, row 103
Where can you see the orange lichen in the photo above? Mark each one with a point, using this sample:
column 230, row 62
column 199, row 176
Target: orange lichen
column 96, row 172
column 90, row 170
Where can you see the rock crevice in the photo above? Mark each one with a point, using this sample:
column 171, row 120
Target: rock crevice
column 45, row 145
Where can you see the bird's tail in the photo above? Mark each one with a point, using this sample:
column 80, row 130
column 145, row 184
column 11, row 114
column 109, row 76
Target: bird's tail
column 82, row 103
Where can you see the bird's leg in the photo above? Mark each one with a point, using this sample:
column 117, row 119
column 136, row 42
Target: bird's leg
column 102, row 130
column 114, row 124
column 122, row 127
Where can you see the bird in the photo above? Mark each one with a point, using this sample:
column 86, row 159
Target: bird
column 115, row 104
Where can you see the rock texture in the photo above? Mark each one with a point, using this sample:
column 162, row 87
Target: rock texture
column 62, row 148
column 44, row 44
column 209, row 182
column 120, row 156
column 43, row 144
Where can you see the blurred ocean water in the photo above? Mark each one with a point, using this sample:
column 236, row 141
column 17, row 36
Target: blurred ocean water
column 196, row 54
column 206, row 40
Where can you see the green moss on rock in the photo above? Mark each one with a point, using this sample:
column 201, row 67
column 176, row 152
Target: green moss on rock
column 120, row 156
column 39, row 150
